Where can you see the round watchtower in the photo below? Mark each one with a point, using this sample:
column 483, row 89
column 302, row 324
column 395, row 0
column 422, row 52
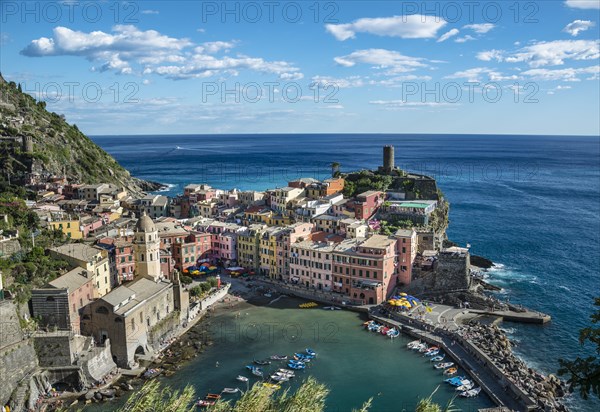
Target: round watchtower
column 27, row 144
column 388, row 158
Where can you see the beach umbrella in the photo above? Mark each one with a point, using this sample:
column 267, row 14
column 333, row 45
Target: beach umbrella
column 212, row 267
column 403, row 294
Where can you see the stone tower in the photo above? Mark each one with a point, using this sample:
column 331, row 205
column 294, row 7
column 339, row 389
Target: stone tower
column 27, row 144
column 147, row 248
column 388, row 158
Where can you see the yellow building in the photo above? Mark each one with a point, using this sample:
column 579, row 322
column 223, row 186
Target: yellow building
column 70, row 228
column 268, row 250
column 248, row 245
column 92, row 259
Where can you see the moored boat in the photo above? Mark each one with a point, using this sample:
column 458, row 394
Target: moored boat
column 271, row 385
column 437, row 358
column 262, row 362
column 242, row 378
column 467, row 386
column 471, row 393
column 413, row 344
column 432, row 353
column 310, row 352
column 278, row 357
column 393, row 333
column 450, row 371
column 444, row 365
column 230, row 390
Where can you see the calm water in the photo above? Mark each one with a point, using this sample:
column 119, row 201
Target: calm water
column 528, row 203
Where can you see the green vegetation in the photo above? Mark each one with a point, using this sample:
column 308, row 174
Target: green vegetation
column 365, row 180
column 390, row 227
column 309, row 397
column 58, row 148
column 28, row 267
column 204, row 287
column 584, row 373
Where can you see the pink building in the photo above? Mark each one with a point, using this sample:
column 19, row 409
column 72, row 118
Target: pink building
column 311, row 264
column 406, row 250
column 366, row 273
column 297, row 232
column 366, row 204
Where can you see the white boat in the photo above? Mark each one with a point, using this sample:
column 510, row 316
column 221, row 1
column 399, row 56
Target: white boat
column 230, row 390
column 279, row 378
column 242, row 378
column 465, row 387
column 393, row 333
column 471, row 393
column 289, row 371
column 331, row 308
column 411, row 345
column 444, row 365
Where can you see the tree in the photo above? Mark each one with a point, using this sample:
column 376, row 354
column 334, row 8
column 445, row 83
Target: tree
column 186, row 280
column 584, row 373
column 335, row 169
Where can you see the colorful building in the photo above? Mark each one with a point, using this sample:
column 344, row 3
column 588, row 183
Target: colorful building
column 367, row 272
column 406, row 251
column 311, row 264
column 367, row 203
column 248, row 244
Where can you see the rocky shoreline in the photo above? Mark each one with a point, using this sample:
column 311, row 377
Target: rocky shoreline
column 547, row 391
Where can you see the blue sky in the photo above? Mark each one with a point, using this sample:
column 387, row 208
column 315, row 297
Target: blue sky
column 152, row 67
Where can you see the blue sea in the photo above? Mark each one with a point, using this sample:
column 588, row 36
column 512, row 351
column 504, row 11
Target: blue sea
column 529, row 203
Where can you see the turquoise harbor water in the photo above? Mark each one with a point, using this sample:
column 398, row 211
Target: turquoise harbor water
column 530, row 203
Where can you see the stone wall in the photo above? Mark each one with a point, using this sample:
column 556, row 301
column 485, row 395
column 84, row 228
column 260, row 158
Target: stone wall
column 10, row 329
column 99, row 363
column 163, row 329
column 18, row 361
column 53, row 349
column 214, row 297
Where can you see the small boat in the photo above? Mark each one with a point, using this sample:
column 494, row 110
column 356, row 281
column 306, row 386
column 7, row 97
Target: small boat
column 271, row 385
column 419, row 347
column 295, row 362
column 367, row 323
column 289, row 374
column 457, row 381
column 262, row 362
column 331, row 308
column 151, row 373
column 230, row 390
column 296, row 366
column 278, row 357
column 450, row 371
column 413, row 344
column 242, row 378
column 255, row 370
column 203, row 403
column 444, row 365
column 438, row 358
column 282, row 370
column 393, row 333
column 470, row 393
column 279, row 378
column 303, row 356
column 465, row 387
column 268, row 295
column 429, row 349
column 432, row 353
column 215, row 396
column 384, row 330
column 310, row 352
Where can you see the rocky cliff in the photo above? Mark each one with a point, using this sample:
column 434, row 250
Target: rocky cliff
column 33, row 139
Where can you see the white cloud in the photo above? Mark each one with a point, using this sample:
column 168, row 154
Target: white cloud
column 553, row 53
column 490, row 55
column 577, row 26
column 392, row 61
column 149, row 12
column 215, row 47
column 583, row 4
column 566, row 75
column 402, row 104
column 4, row 38
column 447, row 35
column 414, row 26
column 480, row 28
column 479, row 74
column 464, row 39
column 156, row 53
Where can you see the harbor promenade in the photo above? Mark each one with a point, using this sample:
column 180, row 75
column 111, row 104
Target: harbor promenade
column 502, row 392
